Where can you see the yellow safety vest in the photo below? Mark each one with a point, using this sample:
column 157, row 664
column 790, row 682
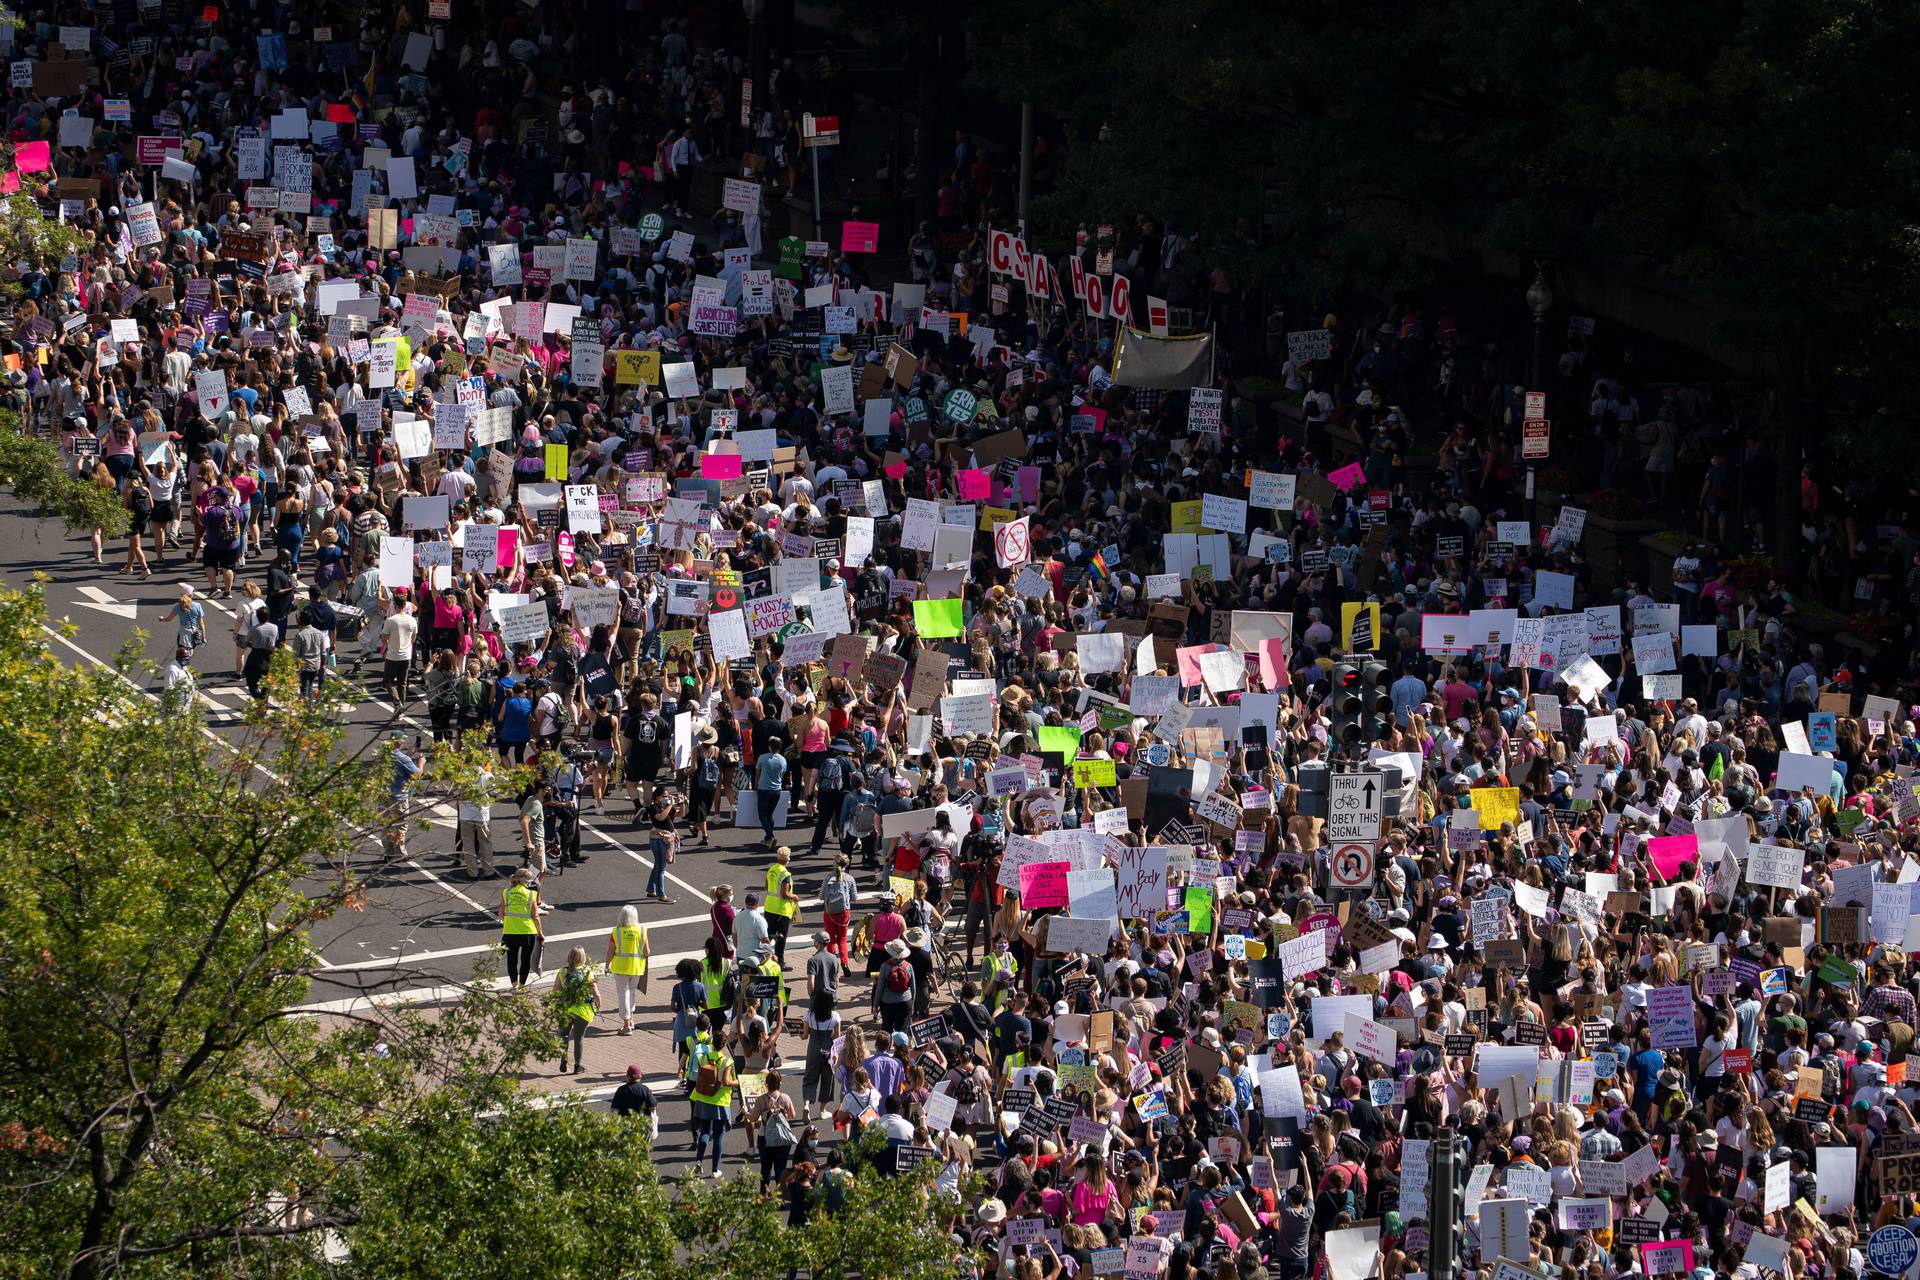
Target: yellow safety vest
column 720, row 1097
column 520, row 902
column 713, row 980
column 582, row 1003
column 629, row 950
column 778, row 903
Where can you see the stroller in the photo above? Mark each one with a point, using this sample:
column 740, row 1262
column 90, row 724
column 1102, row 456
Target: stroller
column 349, row 623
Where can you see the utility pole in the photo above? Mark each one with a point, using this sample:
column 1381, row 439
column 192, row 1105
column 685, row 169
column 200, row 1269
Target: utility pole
column 1443, row 1208
column 1026, row 166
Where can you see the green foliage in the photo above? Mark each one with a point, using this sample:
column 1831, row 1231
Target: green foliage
column 1755, row 149
column 564, row 1191
column 159, row 892
column 27, row 235
column 162, row 1113
column 890, row 1226
column 36, row 472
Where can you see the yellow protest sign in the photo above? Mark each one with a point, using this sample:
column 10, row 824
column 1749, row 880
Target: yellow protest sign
column 1495, row 805
column 631, row 368
column 1359, row 626
column 556, row 462
column 1094, row 773
column 1186, row 517
column 900, row 886
column 992, row 516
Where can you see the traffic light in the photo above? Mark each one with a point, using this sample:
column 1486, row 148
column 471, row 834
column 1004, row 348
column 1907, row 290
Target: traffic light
column 1376, row 698
column 1346, row 707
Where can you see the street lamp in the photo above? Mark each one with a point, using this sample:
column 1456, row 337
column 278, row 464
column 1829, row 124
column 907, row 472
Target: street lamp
column 755, row 92
column 1539, row 303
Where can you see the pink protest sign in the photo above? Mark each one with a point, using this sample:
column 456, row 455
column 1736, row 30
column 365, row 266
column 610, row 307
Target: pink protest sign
column 1273, row 663
column 720, row 466
column 975, row 486
column 1674, row 1257
column 509, row 538
column 1189, row 659
column 1027, row 480
column 859, row 237
column 1668, row 852
column 1043, row 884
column 1347, row 477
column 895, row 470
column 32, row 157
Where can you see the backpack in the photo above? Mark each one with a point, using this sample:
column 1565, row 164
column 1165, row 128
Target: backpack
column 833, row 775
column 706, row 1077
column 966, row 1090
column 710, row 772
column 899, row 979
column 222, row 525
column 730, row 989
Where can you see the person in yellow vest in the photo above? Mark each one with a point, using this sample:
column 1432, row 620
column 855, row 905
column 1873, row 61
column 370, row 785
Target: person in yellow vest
column 577, row 1003
column 627, row 950
column 999, row 970
column 781, row 906
column 710, row 1081
column 520, row 925
column 715, row 968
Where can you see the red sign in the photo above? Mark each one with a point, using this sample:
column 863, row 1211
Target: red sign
column 746, row 102
column 859, row 237
column 1536, row 405
column 153, row 150
column 1007, row 255
column 1535, row 435
column 819, row 131
column 1738, row 1061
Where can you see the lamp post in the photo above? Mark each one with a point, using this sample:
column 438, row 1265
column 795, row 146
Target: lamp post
column 754, row 94
column 1539, row 303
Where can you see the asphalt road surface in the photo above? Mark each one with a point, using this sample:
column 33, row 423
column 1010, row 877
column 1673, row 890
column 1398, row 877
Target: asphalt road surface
column 426, row 927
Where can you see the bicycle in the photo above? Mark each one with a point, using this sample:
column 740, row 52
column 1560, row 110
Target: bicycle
column 949, row 960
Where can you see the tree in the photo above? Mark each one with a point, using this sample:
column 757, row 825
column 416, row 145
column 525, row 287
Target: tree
column 164, row 1111
column 36, row 472
column 1752, row 151
column 157, row 1094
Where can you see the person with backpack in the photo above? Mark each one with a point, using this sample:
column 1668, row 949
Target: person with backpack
column 895, row 987
column 862, row 824
column 645, row 733
column 838, row 894
column 832, row 779
column 703, row 781
column 710, row 1080
column 222, row 528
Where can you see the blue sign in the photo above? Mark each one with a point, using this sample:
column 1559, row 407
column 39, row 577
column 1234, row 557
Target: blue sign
column 1892, row 1250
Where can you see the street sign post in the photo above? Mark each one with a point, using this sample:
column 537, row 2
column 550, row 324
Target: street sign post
column 1353, row 866
column 1536, row 438
column 1355, row 803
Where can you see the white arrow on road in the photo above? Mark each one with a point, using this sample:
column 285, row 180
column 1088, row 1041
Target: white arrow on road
column 98, row 599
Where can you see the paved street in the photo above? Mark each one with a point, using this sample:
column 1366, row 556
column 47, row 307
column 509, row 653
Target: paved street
column 426, row 927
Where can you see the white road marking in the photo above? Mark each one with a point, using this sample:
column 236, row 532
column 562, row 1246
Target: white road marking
column 456, row 990
column 98, row 599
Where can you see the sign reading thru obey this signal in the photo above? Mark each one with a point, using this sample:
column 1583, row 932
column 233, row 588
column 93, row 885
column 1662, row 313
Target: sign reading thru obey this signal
column 1354, row 805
